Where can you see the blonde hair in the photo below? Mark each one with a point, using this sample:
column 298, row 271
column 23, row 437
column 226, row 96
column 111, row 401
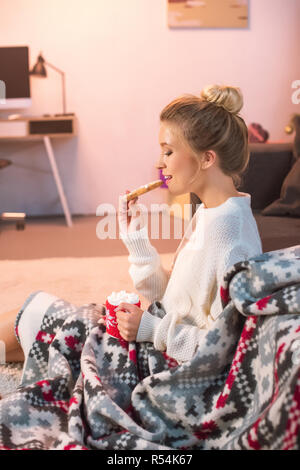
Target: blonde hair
column 211, row 121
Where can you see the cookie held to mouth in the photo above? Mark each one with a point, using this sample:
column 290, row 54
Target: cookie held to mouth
column 144, row 189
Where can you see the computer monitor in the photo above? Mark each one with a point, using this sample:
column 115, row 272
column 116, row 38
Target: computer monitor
column 14, row 78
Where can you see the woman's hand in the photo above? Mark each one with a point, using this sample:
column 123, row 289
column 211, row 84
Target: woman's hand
column 128, row 319
column 130, row 215
column 100, row 311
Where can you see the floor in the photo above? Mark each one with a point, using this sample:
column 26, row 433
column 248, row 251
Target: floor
column 47, row 237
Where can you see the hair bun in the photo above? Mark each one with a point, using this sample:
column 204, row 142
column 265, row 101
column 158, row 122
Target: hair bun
column 228, row 97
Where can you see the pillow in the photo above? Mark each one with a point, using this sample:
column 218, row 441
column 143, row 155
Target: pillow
column 256, row 133
column 289, row 202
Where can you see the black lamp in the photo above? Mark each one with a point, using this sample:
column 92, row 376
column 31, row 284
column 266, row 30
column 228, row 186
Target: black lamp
column 39, row 70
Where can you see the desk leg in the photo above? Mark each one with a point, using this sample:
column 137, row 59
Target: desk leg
column 58, row 182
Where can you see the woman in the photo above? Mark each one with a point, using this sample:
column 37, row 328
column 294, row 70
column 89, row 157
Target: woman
column 204, row 144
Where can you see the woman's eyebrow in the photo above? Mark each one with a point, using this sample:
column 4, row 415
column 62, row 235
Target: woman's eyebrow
column 165, row 143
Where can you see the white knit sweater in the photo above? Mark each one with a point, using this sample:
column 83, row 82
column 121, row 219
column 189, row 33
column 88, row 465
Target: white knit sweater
column 223, row 236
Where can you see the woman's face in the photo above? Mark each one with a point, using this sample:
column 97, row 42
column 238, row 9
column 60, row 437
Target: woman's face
column 176, row 159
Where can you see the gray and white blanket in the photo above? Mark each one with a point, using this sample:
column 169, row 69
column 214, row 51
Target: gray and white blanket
column 83, row 389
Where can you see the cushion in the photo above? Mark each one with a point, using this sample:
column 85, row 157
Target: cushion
column 288, row 203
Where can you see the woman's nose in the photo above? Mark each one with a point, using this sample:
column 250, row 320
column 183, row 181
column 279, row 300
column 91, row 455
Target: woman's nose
column 160, row 164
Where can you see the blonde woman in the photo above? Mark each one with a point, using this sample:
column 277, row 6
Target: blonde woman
column 204, row 150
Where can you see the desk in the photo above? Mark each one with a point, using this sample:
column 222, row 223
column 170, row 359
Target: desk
column 42, row 128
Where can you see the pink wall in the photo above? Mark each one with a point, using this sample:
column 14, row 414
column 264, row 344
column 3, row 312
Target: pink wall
column 123, row 64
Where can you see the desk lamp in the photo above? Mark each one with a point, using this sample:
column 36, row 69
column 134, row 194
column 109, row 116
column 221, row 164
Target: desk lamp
column 39, row 70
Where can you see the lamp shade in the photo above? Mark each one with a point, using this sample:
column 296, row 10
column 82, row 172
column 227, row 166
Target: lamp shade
column 39, row 68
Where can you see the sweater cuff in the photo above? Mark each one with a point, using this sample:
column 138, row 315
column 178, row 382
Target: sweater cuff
column 138, row 243
column 147, row 327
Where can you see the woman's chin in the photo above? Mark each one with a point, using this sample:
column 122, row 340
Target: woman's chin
column 176, row 191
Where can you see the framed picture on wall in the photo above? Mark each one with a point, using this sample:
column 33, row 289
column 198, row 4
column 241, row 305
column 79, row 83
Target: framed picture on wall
column 208, row 13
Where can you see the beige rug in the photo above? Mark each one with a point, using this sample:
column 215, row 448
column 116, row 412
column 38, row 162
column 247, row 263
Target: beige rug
column 77, row 280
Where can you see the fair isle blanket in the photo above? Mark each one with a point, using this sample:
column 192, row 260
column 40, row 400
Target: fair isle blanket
column 83, row 389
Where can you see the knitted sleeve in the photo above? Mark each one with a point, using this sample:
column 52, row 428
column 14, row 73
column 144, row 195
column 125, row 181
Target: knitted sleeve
column 146, row 271
column 180, row 340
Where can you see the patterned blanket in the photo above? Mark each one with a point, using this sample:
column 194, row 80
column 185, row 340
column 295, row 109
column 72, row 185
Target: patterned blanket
column 83, row 389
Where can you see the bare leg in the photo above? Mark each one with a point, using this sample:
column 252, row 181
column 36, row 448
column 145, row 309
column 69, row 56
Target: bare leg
column 13, row 350
column 16, row 355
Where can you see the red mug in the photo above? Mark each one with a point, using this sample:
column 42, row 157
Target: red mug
column 112, row 302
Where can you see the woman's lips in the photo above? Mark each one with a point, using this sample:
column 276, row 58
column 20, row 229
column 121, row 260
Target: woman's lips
column 167, row 178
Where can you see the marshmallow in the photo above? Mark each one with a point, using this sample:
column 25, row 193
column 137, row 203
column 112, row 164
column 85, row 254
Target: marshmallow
column 115, row 298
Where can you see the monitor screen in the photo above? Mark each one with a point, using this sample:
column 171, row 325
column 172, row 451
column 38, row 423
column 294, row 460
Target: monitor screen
column 14, row 72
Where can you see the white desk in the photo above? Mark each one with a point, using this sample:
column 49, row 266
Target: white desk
column 42, row 128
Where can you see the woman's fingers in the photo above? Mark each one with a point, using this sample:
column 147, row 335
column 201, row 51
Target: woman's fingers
column 100, row 309
column 132, row 202
column 128, row 212
column 123, row 326
column 101, row 312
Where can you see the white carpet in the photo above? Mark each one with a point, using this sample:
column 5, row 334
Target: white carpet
column 77, row 280
column 10, row 376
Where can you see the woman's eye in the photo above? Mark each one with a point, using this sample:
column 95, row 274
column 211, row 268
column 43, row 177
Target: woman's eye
column 168, row 153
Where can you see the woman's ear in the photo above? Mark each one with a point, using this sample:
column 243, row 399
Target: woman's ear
column 208, row 159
